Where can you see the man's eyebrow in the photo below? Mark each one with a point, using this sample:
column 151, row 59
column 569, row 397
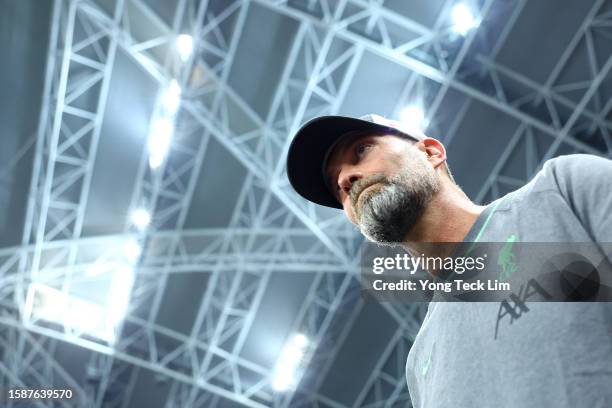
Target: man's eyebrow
column 345, row 145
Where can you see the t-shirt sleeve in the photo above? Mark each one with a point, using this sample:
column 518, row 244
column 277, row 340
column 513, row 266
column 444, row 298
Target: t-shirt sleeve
column 585, row 182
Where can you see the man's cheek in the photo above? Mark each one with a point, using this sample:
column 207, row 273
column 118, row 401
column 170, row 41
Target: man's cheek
column 348, row 210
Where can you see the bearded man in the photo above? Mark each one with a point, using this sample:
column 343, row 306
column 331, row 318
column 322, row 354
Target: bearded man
column 394, row 184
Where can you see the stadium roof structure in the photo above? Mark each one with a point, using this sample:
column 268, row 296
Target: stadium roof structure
column 153, row 253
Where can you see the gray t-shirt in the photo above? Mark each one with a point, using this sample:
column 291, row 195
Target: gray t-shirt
column 549, row 355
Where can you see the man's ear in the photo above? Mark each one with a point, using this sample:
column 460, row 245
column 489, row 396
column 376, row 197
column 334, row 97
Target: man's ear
column 435, row 151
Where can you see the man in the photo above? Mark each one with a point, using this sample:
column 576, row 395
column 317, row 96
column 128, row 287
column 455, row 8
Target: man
column 394, row 184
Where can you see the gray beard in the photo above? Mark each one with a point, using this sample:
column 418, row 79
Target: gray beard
column 388, row 213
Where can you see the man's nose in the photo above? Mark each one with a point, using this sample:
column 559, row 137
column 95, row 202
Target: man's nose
column 348, row 178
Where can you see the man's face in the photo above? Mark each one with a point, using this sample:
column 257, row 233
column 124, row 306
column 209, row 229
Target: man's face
column 384, row 184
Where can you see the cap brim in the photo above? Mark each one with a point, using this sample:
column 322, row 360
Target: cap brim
column 310, row 147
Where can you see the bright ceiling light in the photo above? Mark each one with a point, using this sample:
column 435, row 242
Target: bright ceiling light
column 78, row 316
column 98, row 268
column 171, row 98
column 413, row 116
column 132, row 250
column 119, row 294
column 155, row 161
column 289, row 363
column 140, row 218
column 159, row 140
column 463, row 19
column 300, row 340
column 84, row 316
column 184, row 45
column 162, row 124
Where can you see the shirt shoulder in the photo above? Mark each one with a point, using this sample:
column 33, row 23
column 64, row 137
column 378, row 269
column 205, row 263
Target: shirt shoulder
column 576, row 186
column 570, row 174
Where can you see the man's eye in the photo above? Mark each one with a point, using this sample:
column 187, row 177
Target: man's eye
column 362, row 149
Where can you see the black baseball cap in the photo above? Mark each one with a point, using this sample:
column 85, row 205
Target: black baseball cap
column 315, row 140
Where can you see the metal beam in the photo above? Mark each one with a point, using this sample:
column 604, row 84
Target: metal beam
column 551, row 93
column 67, row 143
column 146, row 349
column 28, row 363
column 389, row 373
column 397, row 50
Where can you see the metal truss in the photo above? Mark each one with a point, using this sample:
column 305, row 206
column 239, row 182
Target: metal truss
column 156, row 348
column 572, row 119
column 231, row 301
column 204, row 250
column 78, row 73
column 509, row 17
column 256, row 147
column 422, row 91
column 81, row 56
column 104, row 374
column 327, row 300
column 386, row 386
column 28, row 363
column 5, row 170
column 215, row 106
column 166, row 192
column 164, row 351
column 216, row 49
column 400, row 39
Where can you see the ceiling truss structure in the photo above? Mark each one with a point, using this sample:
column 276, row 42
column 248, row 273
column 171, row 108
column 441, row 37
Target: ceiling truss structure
column 330, row 42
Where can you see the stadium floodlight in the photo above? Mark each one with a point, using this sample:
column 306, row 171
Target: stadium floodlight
column 77, row 316
column 289, row 363
column 463, row 19
column 184, row 45
column 300, row 341
column 171, row 98
column 140, row 218
column 98, row 268
column 132, row 250
column 413, row 116
column 160, row 138
column 119, row 294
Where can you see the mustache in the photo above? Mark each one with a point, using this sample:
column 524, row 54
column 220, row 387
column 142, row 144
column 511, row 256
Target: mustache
column 364, row 183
